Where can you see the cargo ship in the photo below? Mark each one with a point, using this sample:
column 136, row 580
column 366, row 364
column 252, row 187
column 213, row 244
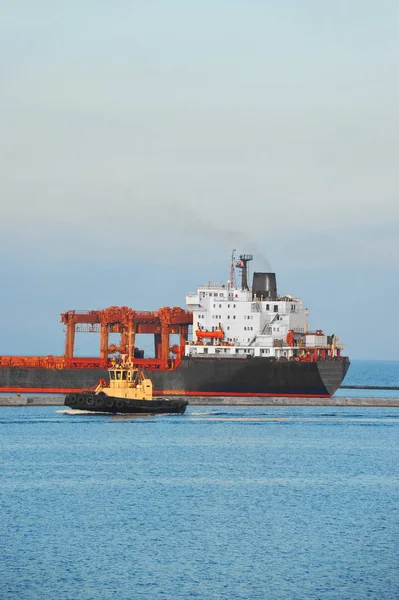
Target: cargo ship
column 234, row 340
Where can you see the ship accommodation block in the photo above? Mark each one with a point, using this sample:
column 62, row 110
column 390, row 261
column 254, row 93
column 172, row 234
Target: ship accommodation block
column 229, row 321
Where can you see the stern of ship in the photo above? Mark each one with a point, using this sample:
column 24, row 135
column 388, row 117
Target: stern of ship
column 332, row 373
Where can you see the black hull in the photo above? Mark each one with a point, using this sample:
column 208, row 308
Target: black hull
column 208, row 376
column 110, row 404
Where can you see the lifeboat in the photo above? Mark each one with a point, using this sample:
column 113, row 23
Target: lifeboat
column 218, row 334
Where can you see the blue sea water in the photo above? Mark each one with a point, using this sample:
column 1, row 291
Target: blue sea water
column 371, row 372
column 232, row 503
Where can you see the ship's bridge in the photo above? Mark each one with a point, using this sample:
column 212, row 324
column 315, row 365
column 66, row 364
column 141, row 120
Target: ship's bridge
column 211, row 293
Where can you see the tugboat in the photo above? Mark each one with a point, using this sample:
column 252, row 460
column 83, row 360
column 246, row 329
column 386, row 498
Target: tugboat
column 128, row 391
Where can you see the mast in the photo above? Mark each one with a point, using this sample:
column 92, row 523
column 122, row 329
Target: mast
column 243, row 265
column 232, row 270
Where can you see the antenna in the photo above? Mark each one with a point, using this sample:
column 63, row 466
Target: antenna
column 232, row 270
column 243, row 265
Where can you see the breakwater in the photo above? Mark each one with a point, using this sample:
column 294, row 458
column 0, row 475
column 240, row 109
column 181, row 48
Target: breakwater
column 369, row 387
column 18, row 400
column 225, row 401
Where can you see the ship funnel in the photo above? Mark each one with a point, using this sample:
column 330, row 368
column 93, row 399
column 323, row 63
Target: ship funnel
column 264, row 286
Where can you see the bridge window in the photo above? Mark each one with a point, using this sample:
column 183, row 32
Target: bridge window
column 275, row 308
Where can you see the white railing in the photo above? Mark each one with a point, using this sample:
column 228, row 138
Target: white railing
column 216, row 286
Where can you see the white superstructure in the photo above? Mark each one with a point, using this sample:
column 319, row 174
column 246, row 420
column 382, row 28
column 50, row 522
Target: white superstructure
column 231, row 320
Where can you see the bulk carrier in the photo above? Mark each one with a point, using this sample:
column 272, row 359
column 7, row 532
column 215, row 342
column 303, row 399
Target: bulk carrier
column 234, row 340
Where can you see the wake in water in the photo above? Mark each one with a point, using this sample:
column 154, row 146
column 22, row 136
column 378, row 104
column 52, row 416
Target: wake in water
column 113, row 416
column 71, row 411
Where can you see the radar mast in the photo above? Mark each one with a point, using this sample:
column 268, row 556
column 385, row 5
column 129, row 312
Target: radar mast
column 243, row 265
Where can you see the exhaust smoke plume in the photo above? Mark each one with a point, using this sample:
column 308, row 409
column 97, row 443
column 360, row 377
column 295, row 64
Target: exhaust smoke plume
column 194, row 225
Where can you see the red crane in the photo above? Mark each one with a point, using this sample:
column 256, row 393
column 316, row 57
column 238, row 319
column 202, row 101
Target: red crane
column 115, row 319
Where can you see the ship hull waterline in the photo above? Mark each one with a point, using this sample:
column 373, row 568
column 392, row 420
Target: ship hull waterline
column 207, row 376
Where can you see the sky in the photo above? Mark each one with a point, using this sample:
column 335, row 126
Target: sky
column 141, row 141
